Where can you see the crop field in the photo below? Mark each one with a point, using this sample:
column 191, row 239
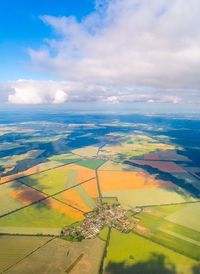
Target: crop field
column 137, row 145
column 41, row 217
column 88, row 151
column 12, row 160
column 189, row 179
column 66, row 158
column 164, row 166
column 83, row 173
column 117, row 166
column 157, row 225
column 58, row 179
column 14, row 195
column 91, row 163
column 150, row 196
column 15, row 248
column 91, row 188
column 192, row 211
column 51, row 181
column 130, row 253
column 73, row 198
column 60, row 256
column 166, row 155
column 33, row 170
column 121, row 180
column 67, row 166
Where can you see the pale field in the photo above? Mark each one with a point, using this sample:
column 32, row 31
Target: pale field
column 187, row 216
column 88, row 151
column 150, row 196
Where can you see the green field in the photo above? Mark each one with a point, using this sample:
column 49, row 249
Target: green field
column 110, row 200
column 90, row 163
column 60, row 256
column 130, row 253
column 187, row 216
column 177, row 237
column 51, row 181
column 37, row 218
column 103, row 235
column 15, row 248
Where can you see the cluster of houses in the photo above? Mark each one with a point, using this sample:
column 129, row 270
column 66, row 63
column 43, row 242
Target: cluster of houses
column 113, row 216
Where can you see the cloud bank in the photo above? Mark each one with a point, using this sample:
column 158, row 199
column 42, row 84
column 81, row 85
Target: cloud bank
column 125, row 51
column 131, row 42
column 37, row 92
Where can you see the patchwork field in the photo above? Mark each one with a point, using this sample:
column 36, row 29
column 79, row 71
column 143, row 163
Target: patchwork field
column 58, row 179
column 117, row 166
column 136, row 145
column 192, row 211
column 161, row 225
column 65, row 159
column 130, row 253
column 60, row 256
column 150, row 196
column 33, row 170
column 164, row 166
column 41, row 217
column 88, row 151
column 189, row 179
column 15, row 248
column 14, row 195
column 167, row 155
column 67, row 165
column 81, row 196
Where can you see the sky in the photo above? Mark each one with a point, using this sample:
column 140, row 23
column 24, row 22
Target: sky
column 131, row 54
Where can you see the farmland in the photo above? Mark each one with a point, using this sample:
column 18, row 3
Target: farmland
column 134, row 254
column 58, row 174
column 14, row 249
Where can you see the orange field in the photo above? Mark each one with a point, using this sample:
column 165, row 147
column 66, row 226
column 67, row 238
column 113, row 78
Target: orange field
column 122, row 180
column 27, row 195
column 33, row 170
column 72, row 198
column 64, row 209
column 164, row 166
column 83, row 173
column 91, row 188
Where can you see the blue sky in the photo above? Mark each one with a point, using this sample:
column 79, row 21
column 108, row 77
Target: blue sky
column 108, row 53
column 21, row 28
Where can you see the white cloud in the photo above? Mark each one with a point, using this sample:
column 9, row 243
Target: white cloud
column 132, row 42
column 37, row 92
column 125, row 51
column 52, row 92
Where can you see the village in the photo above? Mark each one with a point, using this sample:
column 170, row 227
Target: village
column 104, row 215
